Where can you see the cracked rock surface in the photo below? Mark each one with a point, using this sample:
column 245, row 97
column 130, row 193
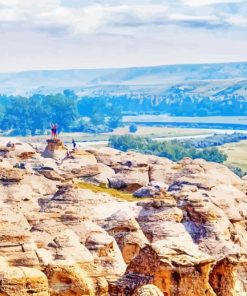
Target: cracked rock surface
column 185, row 233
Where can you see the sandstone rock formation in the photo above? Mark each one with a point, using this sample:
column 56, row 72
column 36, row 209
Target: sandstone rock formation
column 186, row 237
column 55, row 149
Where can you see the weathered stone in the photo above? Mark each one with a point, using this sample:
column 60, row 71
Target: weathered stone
column 148, row 191
column 23, row 281
column 11, row 175
column 55, row 149
column 52, row 175
column 98, row 174
column 188, row 241
column 148, row 290
column 130, row 179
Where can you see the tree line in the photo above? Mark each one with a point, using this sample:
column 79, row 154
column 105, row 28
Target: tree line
column 174, row 103
column 174, row 149
column 33, row 115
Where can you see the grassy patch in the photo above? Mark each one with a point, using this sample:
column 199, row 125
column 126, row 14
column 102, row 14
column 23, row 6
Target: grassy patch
column 236, row 154
column 157, row 132
column 112, row 192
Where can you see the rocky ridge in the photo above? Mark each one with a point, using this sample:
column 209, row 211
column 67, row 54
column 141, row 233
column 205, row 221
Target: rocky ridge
column 184, row 234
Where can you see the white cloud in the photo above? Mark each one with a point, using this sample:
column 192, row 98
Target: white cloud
column 53, row 16
column 198, row 3
column 85, row 19
column 183, row 17
column 101, row 33
column 239, row 21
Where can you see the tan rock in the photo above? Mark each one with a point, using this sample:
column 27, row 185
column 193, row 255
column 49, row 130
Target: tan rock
column 78, row 160
column 52, row 175
column 11, row 175
column 69, row 280
column 106, row 155
column 55, row 149
column 149, row 191
column 23, row 281
column 176, row 268
column 189, row 241
column 127, row 232
column 148, row 290
column 130, row 179
column 97, row 174
column 107, row 254
column 223, row 278
column 16, row 242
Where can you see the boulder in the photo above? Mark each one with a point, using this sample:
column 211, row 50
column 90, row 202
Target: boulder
column 23, row 281
column 52, row 175
column 148, row 290
column 19, row 150
column 158, row 185
column 16, row 242
column 162, row 173
column 73, row 280
column 55, row 149
column 98, row 174
column 244, row 178
column 8, row 175
column 176, row 267
column 106, row 253
column 127, row 232
column 149, row 191
column 79, row 162
column 130, row 179
column 106, row 155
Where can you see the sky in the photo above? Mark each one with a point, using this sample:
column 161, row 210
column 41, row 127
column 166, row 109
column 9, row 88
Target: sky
column 77, row 34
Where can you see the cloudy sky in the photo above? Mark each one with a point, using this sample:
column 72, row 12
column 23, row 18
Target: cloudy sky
column 60, row 34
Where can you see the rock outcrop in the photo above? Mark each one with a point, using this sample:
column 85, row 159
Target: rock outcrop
column 55, row 149
column 184, row 234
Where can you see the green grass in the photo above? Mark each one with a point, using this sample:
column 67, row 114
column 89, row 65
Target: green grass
column 112, row 192
column 237, row 155
column 153, row 132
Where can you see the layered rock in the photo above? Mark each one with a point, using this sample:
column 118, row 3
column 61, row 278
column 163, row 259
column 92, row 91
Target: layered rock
column 22, row 281
column 130, row 179
column 186, row 237
column 55, row 149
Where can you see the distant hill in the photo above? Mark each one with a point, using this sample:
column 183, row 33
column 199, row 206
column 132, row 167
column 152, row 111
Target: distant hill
column 199, row 78
column 178, row 90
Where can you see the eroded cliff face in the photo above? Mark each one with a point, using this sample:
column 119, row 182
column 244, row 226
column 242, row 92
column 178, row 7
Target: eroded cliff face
column 186, row 234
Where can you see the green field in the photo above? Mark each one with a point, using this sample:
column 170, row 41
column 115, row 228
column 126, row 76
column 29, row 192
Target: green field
column 237, row 155
column 153, row 132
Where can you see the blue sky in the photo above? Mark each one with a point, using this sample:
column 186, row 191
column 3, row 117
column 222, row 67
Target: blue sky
column 60, row 34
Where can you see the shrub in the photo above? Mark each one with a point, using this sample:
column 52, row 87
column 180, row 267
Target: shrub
column 133, row 128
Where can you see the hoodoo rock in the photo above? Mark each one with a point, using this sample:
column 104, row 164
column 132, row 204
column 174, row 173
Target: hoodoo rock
column 55, row 149
column 185, row 234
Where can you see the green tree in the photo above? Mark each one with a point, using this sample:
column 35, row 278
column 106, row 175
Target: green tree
column 115, row 116
column 174, row 150
column 133, row 128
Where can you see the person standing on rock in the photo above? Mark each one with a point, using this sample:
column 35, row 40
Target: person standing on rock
column 54, row 128
column 74, row 144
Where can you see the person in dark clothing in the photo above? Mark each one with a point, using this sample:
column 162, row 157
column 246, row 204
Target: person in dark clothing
column 74, row 143
column 54, row 128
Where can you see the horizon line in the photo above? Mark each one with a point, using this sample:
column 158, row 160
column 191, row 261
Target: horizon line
column 118, row 68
